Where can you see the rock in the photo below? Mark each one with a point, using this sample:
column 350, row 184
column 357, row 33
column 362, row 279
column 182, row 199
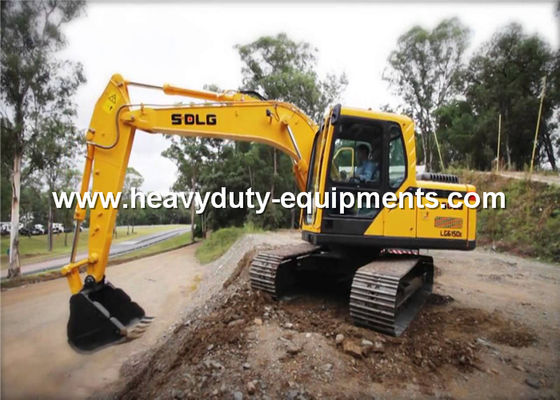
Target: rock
column 233, row 317
column 288, row 325
column 293, row 348
column 210, row 347
column 178, row 394
column 251, row 388
column 339, row 338
column 235, row 322
column 378, row 347
column 532, row 382
column 485, row 343
column 296, row 395
column 367, row 346
column 211, row 364
column 328, row 367
column 246, row 366
column 292, row 394
column 352, row 348
column 258, row 321
column 237, row 396
column 308, row 335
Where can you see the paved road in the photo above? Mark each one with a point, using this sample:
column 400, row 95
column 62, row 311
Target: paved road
column 550, row 179
column 36, row 359
column 117, row 249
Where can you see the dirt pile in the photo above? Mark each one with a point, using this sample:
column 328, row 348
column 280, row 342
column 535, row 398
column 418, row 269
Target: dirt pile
column 243, row 343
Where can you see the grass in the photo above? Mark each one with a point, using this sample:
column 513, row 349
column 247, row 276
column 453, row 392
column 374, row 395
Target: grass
column 160, row 247
column 220, row 241
column 34, row 249
column 157, row 248
column 530, row 223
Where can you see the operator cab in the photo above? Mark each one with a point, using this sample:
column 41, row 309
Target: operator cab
column 355, row 153
column 367, row 154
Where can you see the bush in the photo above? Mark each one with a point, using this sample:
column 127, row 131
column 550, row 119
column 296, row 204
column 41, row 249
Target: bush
column 530, row 223
column 220, row 241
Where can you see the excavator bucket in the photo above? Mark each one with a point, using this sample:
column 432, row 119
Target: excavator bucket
column 101, row 315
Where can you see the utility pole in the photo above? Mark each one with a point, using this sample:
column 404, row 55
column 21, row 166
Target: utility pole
column 439, row 152
column 499, row 137
column 538, row 124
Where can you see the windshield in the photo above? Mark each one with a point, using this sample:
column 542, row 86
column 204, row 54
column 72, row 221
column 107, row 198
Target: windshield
column 357, row 153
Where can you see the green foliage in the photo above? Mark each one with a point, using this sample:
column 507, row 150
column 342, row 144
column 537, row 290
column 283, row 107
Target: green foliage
column 36, row 92
column 282, row 69
column 33, row 81
column 133, row 179
column 426, row 70
column 172, row 243
column 530, row 223
column 220, row 241
column 33, row 248
column 504, row 77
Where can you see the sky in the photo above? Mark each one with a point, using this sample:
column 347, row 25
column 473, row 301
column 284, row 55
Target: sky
column 192, row 44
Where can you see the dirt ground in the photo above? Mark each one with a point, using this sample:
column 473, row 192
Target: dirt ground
column 490, row 330
column 37, row 362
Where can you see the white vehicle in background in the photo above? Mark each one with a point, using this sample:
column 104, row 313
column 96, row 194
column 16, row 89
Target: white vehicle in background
column 38, row 229
column 5, row 228
column 57, row 227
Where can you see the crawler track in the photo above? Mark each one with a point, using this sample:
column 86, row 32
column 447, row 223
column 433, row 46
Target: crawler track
column 387, row 293
column 270, row 269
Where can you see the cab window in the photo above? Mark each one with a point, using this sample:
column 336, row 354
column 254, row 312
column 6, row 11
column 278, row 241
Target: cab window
column 397, row 159
column 357, row 155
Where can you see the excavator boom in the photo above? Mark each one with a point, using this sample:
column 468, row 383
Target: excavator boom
column 230, row 115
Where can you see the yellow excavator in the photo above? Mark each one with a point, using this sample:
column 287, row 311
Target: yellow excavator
column 352, row 151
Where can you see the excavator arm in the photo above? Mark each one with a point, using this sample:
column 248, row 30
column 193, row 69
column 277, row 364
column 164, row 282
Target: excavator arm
column 99, row 313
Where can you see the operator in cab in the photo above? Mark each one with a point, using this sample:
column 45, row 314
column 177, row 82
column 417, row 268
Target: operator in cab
column 366, row 169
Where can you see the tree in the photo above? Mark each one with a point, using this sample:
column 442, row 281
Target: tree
column 191, row 155
column 426, row 71
column 133, row 179
column 52, row 153
column 505, row 77
column 68, row 182
column 282, row 69
column 31, row 80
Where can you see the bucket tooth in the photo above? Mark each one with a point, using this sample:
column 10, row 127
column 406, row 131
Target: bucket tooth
column 101, row 315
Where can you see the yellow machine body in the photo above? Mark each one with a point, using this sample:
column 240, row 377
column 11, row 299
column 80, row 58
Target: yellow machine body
column 245, row 116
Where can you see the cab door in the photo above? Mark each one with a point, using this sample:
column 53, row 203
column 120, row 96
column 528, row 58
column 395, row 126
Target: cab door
column 399, row 222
